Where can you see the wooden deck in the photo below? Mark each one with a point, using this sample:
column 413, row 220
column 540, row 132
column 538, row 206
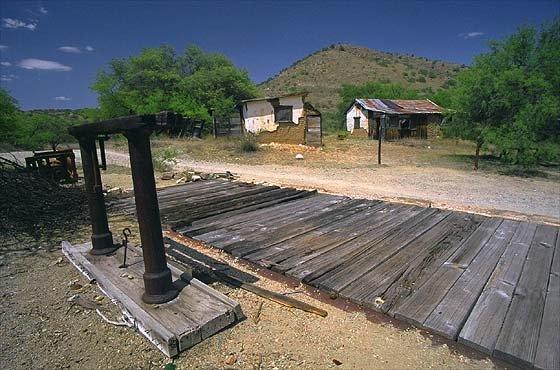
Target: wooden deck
column 490, row 283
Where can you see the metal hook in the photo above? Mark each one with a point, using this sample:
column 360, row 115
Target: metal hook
column 126, row 233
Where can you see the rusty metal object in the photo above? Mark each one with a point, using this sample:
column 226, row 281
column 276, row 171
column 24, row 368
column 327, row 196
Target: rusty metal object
column 126, row 233
column 394, row 106
column 158, row 282
column 157, row 276
column 59, row 165
column 101, row 238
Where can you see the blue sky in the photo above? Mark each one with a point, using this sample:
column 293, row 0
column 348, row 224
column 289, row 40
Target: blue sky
column 50, row 51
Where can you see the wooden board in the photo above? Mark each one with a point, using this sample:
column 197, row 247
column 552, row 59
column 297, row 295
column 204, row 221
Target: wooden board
column 485, row 321
column 450, row 314
column 518, row 339
column 197, row 313
column 417, row 307
column 492, row 284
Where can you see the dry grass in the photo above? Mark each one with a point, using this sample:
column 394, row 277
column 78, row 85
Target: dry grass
column 349, row 153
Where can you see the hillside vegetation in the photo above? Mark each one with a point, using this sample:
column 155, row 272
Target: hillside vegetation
column 324, row 72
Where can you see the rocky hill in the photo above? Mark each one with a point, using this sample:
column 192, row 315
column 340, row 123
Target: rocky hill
column 325, row 71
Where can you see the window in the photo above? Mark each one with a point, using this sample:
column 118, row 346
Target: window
column 356, row 122
column 283, row 113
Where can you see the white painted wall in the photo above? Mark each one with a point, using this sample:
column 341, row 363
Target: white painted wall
column 259, row 115
column 356, row 111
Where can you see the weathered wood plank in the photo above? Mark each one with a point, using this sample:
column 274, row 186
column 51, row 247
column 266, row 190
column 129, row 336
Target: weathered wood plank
column 234, row 232
column 346, row 273
column 325, row 235
column 381, row 278
column 210, row 224
column 518, row 339
column 548, row 349
column 282, row 232
column 459, row 227
column 450, row 314
column 384, row 263
column 321, row 262
column 484, row 323
column 417, row 307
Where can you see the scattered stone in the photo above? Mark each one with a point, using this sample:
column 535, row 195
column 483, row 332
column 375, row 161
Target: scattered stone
column 336, row 362
column 299, row 156
column 167, row 175
column 116, row 189
column 74, row 285
column 58, row 261
column 196, row 178
column 232, row 359
column 181, row 180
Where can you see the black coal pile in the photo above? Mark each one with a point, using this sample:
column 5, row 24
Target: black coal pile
column 37, row 210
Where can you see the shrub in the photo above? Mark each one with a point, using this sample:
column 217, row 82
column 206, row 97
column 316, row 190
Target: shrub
column 249, row 144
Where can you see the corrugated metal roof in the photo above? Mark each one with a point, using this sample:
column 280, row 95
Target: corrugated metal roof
column 394, row 106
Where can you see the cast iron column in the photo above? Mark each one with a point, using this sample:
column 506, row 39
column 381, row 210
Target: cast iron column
column 157, row 276
column 101, row 238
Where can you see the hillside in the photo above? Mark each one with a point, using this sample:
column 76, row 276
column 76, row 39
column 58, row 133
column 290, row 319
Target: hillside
column 323, row 72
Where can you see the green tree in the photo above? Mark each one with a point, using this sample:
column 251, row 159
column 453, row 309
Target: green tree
column 157, row 79
column 510, row 98
column 9, row 116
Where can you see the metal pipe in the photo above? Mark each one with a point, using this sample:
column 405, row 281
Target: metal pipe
column 158, row 283
column 101, row 238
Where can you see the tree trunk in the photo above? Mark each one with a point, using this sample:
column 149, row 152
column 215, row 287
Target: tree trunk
column 479, row 143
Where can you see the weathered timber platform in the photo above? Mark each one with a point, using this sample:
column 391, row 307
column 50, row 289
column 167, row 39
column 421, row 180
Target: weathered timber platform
column 490, row 283
column 197, row 313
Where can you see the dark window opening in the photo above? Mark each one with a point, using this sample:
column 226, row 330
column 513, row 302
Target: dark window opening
column 283, row 113
column 356, row 122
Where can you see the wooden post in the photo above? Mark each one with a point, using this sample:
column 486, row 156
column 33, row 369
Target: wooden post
column 379, row 140
column 213, row 123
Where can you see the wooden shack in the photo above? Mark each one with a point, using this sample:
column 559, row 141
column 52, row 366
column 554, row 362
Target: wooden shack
column 282, row 119
column 419, row 119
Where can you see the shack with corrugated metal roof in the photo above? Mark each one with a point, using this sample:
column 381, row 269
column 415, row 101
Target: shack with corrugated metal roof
column 395, row 119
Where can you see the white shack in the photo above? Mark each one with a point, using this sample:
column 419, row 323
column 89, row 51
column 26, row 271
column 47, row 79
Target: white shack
column 283, row 119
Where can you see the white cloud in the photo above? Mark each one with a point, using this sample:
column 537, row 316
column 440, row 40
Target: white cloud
column 16, row 23
column 468, row 35
column 89, row 48
column 62, row 98
column 5, row 64
column 3, row 47
column 43, row 10
column 9, row 77
column 43, row 65
column 70, row 49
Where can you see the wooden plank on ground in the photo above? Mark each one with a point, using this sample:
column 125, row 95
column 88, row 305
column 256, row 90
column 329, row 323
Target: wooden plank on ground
column 485, row 321
column 518, row 339
column 449, row 316
column 282, row 232
column 267, row 221
column 317, row 264
column 381, row 278
column 459, row 227
column 346, row 273
column 383, row 265
column 419, row 305
column 336, row 232
column 225, row 220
